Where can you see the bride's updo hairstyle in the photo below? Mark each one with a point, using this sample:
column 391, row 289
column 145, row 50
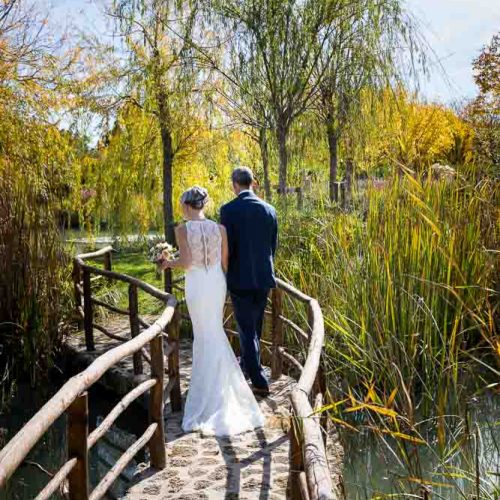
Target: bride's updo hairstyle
column 195, row 197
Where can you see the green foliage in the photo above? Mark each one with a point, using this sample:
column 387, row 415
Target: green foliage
column 407, row 285
column 35, row 176
column 408, row 282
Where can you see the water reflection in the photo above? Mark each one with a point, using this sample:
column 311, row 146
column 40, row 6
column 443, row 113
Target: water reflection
column 377, row 465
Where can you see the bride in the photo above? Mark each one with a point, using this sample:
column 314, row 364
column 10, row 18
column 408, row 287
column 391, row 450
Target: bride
column 219, row 401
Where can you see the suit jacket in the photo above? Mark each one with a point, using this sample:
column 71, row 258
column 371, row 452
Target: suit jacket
column 252, row 231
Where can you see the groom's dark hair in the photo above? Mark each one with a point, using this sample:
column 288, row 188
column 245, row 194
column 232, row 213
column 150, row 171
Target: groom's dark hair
column 242, row 176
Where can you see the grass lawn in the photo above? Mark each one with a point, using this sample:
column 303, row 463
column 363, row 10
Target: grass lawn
column 134, row 264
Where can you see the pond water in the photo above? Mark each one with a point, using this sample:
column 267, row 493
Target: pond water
column 374, row 467
column 50, row 453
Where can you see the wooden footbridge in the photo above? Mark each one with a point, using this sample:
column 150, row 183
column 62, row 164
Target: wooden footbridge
column 293, row 448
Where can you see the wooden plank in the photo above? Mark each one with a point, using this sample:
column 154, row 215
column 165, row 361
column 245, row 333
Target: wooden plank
column 135, row 327
column 152, row 290
column 277, row 333
column 77, row 277
column 288, row 322
column 171, row 383
column 88, row 311
column 295, row 328
column 14, row 452
column 54, row 484
column 106, row 332
column 157, row 443
column 78, row 426
column 112, row 308
column 110, row 419
column 97, row 253
column 291, row 290
column 281, row 352
column 143, row 323
column 166, row 353
column 115, row 471
column 174, row 363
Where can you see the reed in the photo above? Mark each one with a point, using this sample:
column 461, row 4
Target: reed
column 34, row 277
column 407, row 280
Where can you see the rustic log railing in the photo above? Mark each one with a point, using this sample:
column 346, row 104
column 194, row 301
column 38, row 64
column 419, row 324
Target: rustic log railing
column 72, row 398
column 310, row 474
column 310, row 477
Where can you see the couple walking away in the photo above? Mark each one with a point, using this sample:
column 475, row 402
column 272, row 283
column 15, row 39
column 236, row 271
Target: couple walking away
column 236, row 255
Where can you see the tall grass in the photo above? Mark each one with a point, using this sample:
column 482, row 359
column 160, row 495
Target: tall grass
column 34, row 278
column 407, row 281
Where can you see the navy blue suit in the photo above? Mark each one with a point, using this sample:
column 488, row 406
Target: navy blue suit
column 252, row 231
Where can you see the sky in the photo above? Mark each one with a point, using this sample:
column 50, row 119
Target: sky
column 456, row 30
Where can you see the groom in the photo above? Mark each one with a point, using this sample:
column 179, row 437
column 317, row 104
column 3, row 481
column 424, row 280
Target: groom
column 252, row 232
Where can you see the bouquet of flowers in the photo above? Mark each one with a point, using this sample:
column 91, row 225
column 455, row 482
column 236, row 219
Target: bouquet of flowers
column 160, row 251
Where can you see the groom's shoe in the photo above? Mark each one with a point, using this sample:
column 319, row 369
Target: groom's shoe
column 261, row 391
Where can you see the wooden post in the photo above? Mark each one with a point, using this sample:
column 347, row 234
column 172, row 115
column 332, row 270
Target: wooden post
column 343, row 195
column 108, row 263
column 349, row 171
column 133, row 306
column 78, row 429
column 173, row 362
column 277, row 333
column 88, row 313
column 296, row 465
column 336, row 191
column 167, row 278
column 300, row 199
column 77, row 278
column 157, row 442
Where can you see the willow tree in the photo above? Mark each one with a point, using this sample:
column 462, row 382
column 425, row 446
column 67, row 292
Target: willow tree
column 366, row 40
column 283, row 40
column 162, row 73
column 241, row 91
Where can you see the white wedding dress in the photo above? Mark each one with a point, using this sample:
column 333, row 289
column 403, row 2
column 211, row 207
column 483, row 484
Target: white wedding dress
column 219, row 400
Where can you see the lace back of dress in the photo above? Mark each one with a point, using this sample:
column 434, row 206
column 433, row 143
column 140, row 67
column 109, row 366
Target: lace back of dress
column 204, row 240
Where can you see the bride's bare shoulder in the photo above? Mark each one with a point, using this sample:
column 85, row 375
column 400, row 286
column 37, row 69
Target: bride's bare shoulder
column 181, row 229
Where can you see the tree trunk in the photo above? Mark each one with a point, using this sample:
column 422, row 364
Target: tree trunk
column 265, row 162
column 168, row 161
column 281, row 136
column 349, row 171
column 333, row 139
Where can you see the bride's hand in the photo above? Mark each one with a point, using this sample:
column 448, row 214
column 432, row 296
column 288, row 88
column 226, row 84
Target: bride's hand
column 163, row 263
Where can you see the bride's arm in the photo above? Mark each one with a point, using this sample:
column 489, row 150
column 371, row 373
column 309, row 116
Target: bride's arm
column 225, row 249
column 184, row 259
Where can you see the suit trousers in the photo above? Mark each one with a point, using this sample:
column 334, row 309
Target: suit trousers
column 249, row 306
